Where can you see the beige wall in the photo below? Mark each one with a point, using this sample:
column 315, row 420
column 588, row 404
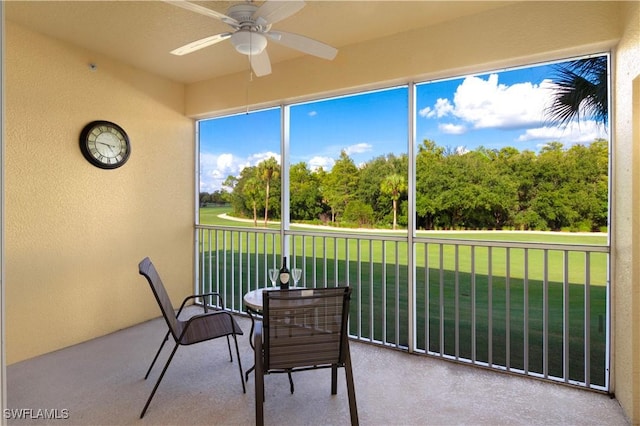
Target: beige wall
column 75, row 233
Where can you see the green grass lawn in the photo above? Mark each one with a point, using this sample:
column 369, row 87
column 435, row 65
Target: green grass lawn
column 450, row 304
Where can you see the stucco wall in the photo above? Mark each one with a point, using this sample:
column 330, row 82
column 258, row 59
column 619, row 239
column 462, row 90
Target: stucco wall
column 75, row 233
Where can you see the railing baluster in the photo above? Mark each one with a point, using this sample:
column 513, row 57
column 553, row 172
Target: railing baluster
column 457, row 301
column 324, row 260
column 336, row 268
column 233, row 264
column 473, row 305
column 545, row 315
column 587, row 319
column 441, row 300
column 397, row 296
column 507, row 317
column 427, row 299
column 490, row 306
column 358, row 292
column 314, row 266
column 384, row 292
column 304, row 260
column 525, row 306
column 565, row 319
column 371, row 285
column 256, row 260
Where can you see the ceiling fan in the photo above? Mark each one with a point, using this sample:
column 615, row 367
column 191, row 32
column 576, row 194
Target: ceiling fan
column 251, row 27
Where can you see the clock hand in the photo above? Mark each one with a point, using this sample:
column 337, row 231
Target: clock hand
column 108, row 146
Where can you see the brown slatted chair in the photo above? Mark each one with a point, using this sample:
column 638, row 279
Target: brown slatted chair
column 198, row 328
column 304, row 330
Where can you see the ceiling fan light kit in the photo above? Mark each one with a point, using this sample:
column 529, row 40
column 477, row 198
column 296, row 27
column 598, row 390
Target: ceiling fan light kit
column 248, row 42
column 252, row 26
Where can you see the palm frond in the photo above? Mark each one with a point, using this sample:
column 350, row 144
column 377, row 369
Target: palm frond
column 580, row 90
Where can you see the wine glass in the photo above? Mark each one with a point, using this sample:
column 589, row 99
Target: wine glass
column 273, row 276
column 296, row 273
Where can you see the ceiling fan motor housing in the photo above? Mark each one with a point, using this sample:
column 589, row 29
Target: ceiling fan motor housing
column 248, row 39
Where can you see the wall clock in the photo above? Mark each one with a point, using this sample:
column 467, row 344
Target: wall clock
column 105, row 144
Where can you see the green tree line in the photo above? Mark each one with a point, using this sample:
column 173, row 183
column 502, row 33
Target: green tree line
column 555, row 189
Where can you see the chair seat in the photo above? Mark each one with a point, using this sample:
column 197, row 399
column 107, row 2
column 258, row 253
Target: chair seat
column 208, row 327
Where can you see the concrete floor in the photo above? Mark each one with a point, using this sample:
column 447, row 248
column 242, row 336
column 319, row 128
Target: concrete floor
column 100, row 382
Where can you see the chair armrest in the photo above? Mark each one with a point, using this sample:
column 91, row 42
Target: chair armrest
column 200, row 317
column 194, row 296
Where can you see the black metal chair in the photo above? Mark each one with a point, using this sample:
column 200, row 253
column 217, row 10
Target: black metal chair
column 198, row 328
column 304, row 330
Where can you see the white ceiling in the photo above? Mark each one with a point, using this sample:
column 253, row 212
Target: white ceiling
column 141, row 33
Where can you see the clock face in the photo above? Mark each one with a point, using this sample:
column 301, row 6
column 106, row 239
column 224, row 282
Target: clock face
column 105, row 144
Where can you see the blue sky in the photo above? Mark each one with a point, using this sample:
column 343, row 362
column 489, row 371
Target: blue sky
column 494, row 110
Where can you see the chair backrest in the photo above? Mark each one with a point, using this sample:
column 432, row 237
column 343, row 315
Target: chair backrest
column 147, row 269
column 303, row 328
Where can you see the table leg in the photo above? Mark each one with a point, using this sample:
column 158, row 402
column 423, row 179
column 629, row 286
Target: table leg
column 251, row 313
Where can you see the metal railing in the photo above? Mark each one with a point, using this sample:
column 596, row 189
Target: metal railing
column 534, row 309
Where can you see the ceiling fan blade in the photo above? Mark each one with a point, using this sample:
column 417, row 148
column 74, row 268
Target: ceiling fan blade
column 260, row 63
column 304, row 44
column 273, row 11
column 199, row 44
column 204, row 11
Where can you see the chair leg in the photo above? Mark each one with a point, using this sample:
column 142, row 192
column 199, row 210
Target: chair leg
column 351, row 391
column 153, row 392
column 157, row 353
column 290, row 381
column 244, row 389
column 259, row 389
column 229, row 346
column 334, row 379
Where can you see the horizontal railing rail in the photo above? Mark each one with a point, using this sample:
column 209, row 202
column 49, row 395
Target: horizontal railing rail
column 535, row 309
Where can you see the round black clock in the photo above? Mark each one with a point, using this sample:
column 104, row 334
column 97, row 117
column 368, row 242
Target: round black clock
column 105, row 144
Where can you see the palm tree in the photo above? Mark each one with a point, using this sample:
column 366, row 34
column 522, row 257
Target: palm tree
column 268, row 171
column 394, row 185
column 581, row 89
column 251, row 190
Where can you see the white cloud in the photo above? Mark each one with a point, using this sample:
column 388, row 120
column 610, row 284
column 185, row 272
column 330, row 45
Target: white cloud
column 254, row 159
column 582, row 132
column 312, row 113
column 485, row 103
column 358, row 148
column 426, row 112
column 318, row 161
column 452, row 129
column 488, row 104
column 443, row 108
column 214, row 169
